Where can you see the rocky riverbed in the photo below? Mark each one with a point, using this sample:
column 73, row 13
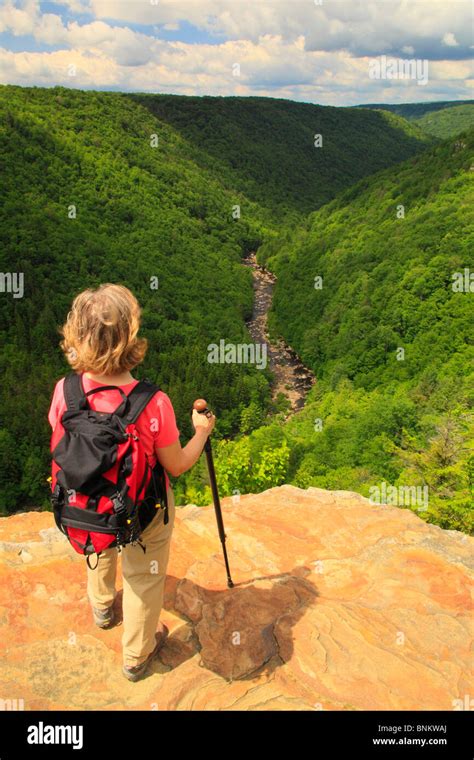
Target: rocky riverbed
column 291, row 377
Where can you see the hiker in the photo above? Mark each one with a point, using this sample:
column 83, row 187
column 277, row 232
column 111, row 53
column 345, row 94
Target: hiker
column 101, row 343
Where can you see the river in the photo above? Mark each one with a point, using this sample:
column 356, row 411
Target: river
column 291, row 377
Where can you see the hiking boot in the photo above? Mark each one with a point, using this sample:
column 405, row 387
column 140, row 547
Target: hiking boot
column 135, row 672
column 104, row 618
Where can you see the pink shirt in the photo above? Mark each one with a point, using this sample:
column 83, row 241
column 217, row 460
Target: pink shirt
column 156, row 424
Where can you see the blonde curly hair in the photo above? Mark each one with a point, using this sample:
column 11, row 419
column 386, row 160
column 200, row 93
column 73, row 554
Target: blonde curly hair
column 100, row 332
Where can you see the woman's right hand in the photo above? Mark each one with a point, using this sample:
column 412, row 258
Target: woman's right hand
column 177, row 460
column 203, row 422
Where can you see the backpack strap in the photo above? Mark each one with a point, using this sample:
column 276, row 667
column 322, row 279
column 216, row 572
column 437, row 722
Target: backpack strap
column 123, row 406
column 138, row 398
column 74, row 392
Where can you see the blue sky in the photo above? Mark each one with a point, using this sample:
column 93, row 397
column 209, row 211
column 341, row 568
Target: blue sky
column 334, row 52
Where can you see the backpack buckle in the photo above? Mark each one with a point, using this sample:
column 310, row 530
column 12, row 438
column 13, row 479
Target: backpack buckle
column 119, row 505
column 57, row 497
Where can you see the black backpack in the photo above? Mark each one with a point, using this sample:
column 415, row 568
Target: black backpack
column 104, row 491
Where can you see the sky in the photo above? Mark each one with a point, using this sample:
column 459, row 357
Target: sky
column 332, row 52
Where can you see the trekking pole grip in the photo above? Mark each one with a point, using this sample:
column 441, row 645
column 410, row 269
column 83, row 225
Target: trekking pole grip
column 200, row 405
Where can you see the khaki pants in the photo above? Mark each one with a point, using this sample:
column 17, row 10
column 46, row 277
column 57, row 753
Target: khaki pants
column 144, row 576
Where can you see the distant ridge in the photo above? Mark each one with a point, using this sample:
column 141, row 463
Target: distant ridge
column 415, row 110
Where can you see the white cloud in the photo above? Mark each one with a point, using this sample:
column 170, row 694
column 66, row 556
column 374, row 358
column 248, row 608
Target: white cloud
column 271, row 67
column 124, row 46
column 290, row 48
column 450, row 40
column 54, row 68
column 50, row 30
column 19, row 18
column 363, row 27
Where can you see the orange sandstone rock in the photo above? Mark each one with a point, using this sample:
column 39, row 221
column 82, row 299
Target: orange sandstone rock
column 338, row 604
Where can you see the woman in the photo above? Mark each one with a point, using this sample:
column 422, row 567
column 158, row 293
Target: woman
column 100, row 340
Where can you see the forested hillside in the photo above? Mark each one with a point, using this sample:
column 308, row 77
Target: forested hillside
column 442, row 120
column 86, row 199
column 413, row 111
column 125, row 188
column 160, row 193
column 447, row 122
column 265, row 147
column 375, row 293
column 385, row 250
column 376, row 296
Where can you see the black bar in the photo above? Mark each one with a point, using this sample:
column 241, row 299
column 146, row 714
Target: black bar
column 315, row 733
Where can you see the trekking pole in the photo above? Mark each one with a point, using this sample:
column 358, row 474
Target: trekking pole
column 200, row 405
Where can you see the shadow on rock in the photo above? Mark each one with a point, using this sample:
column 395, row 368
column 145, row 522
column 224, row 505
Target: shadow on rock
column 244, row 629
